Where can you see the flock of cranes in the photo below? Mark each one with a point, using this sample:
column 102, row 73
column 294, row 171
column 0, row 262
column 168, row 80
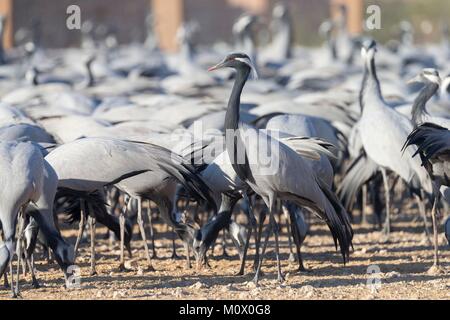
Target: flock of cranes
column 92, row 134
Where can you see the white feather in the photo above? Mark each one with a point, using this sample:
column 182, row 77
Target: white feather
column 247, row 61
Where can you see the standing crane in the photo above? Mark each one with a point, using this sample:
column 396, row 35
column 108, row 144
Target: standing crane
column 22, row 178
column 383, row 132
column 284, row 175
column 433, row 146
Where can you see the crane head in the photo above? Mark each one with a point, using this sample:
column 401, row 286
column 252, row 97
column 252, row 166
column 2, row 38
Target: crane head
column 427, row 75
column 238, row 61
column 367, row 46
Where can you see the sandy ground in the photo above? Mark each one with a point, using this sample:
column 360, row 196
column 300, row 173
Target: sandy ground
column 402, row 266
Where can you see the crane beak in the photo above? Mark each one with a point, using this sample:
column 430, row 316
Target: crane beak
column 217, row 66
column 220, row 65
column 416, row 79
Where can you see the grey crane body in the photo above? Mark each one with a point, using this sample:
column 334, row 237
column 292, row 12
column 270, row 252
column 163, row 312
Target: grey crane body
column 25, row 132
column 144, row 171
column 42, row 213
column 302, row 126
column 22, row 179
column 433, row 146
column 278, row 181
column 383, row 130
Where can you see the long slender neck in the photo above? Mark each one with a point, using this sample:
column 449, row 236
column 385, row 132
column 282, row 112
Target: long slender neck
column 331, row 43
column 445, row 89
column 89, row 75
column 418, row 108
column 371, row 85
column 2, row 31
column 232, row 114
column 282, row 40
column 361, row 92
column 187, row 51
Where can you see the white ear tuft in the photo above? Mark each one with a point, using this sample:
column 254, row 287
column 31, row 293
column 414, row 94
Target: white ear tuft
column 248, row 62
column 433, row 78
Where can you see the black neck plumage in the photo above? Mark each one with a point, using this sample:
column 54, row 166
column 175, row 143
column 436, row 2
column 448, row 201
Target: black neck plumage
column 235, row 146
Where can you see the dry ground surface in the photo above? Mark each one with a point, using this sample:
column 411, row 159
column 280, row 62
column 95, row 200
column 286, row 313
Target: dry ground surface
column 403, row 265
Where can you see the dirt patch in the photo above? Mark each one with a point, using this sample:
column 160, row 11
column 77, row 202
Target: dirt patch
column 402, row 263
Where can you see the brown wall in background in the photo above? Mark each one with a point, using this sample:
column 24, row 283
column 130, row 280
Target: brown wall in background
column 127, row 18
column 216, row 17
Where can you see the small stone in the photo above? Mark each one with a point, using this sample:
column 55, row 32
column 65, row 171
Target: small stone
column 307, row 290
column 179, row 292
column 228, row 287
column 255, row 291
column 131, row 265
column 392, row 274
column 140, row 271
column 99, row 294
column 250, row 284
column 242, row 295
column 198, row 285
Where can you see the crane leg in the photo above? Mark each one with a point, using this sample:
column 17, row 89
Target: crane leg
column 295, row 236
column 34, row 281
column 275, row 229
column 174, row 247
column 11, row 272
column 436, row 267
column 5, row 280
column 258, row 235
column 7, row 250
column 23, row 261
column 364, row 204
column 81, row 227
column 152, row 230
column 244, row 253
column 224, row 245
column 258, row 269
column 19, row 251
column 140, row 222
column 387, row 223
column 289, row 227
column 252, row 219
column 122, row 233
column 188, row 256
column 92, row 226
column 423, row 214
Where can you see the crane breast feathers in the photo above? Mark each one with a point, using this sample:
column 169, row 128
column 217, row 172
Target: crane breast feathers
column 310, row 148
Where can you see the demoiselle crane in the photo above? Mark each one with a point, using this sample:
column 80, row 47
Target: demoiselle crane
column 22, row 177
column 433, row 146
column 141, row 170
column 290, row 177
column 383, row 132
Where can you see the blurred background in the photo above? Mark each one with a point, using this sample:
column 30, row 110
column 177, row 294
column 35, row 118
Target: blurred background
column 126, row 20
